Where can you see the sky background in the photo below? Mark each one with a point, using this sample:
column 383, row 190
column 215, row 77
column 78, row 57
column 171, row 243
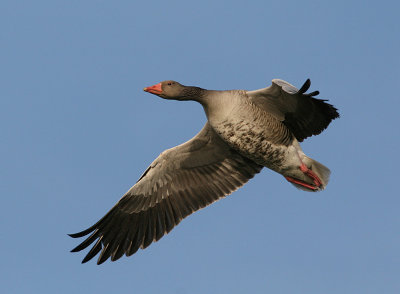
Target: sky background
column 77, row 131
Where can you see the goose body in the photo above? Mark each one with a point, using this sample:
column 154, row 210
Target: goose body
column 260, row 136
column 245, row 131
column 253, row 133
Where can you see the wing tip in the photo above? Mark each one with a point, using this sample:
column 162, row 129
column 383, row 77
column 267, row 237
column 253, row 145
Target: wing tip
column 86, row 259
column 75, row 235
column 305, row 87
column 285, row 86
column 82, row 233
column 76, row 249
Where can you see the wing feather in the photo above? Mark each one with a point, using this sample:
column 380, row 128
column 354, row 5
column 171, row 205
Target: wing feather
column 303, row 114
column 179, row 182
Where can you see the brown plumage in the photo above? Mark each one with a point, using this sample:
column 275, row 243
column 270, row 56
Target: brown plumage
column 246, row 130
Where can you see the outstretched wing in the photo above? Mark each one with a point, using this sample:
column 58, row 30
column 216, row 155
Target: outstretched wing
column 301, row 113
column 179, row 182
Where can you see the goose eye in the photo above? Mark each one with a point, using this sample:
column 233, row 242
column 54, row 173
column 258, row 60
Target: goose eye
column 169, row 84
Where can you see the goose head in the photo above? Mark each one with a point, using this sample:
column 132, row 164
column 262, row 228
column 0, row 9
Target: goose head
column 175, row 91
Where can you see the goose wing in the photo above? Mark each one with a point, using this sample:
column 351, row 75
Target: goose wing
column 303, row 114
column 179, row 182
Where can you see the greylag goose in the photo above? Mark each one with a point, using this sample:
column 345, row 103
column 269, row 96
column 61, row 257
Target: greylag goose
column 245, row 131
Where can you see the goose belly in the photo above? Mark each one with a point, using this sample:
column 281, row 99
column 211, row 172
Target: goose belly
column 254, row 142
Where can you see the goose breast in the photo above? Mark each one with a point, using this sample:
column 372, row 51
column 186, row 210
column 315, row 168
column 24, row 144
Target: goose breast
column 254, row 133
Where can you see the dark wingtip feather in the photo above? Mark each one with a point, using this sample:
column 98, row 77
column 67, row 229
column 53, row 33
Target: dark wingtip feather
column 86, row 243
column 76, row 249
column 315, row 93
column 305, row 86
column 75, row 235
column 83, row 233
column 105, row 254
column 93, row 252
column 117, row 253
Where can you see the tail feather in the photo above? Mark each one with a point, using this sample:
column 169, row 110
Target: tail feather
column 319, row 169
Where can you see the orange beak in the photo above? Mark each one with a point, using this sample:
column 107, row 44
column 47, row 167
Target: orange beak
column 156, row 89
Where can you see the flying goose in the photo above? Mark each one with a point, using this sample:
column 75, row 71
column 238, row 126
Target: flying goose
column 245, row 131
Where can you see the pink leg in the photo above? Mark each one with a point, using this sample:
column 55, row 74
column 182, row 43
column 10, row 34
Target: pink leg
column 311, row 174
column 301, row 183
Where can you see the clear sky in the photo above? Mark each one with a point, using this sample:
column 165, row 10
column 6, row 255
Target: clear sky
column 77, row 131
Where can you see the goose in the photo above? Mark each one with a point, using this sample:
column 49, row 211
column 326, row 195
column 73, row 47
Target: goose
column 245, row 131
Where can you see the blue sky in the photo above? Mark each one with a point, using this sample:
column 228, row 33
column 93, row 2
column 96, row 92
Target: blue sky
column 77, row 131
